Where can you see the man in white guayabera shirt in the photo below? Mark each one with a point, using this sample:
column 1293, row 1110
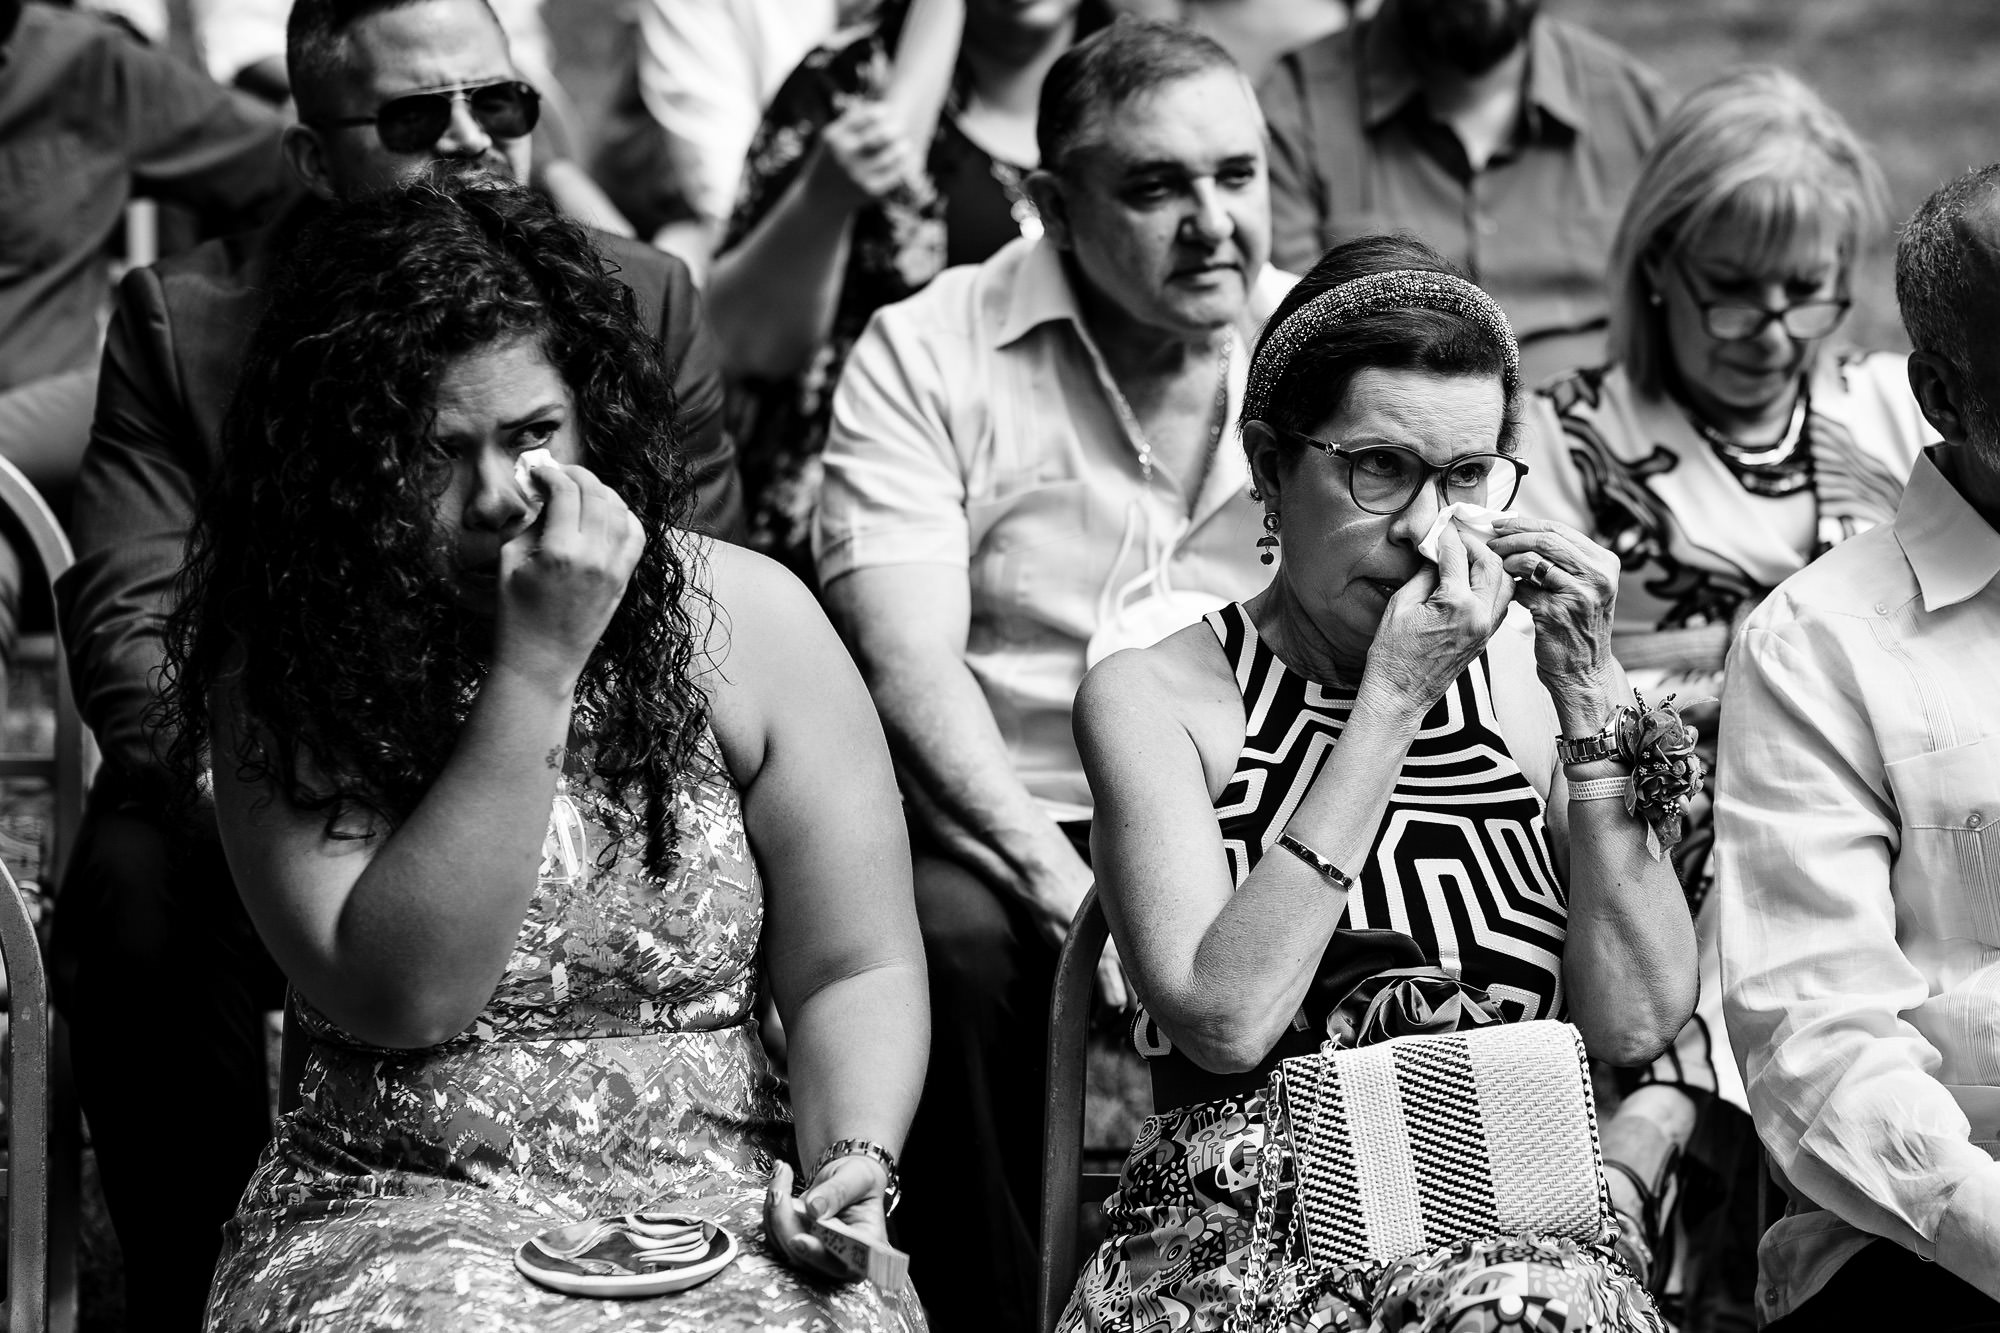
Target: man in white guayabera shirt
column 1859, row 859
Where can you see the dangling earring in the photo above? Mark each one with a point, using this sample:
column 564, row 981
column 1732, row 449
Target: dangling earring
column 1268, row 543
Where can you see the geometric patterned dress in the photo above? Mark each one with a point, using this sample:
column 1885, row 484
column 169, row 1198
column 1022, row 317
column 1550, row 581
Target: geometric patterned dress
column 1461, row 865
column 616, row 1068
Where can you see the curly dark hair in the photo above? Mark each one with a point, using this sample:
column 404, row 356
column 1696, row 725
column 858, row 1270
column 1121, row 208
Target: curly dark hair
column 313, row 592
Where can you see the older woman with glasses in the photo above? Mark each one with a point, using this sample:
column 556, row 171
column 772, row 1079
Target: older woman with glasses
column 1720, row 451
column 1395, row 737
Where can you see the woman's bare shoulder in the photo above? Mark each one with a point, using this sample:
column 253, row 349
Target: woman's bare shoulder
column 771, row 656
column 1184, row 681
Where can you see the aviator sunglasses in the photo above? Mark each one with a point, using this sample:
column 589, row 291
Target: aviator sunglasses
column 413, row 122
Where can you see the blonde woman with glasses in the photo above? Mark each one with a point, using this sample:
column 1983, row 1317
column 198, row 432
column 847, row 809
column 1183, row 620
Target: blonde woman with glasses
column 1725, row 446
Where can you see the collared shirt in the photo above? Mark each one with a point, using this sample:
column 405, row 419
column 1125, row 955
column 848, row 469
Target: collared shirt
column 1858, row 846
column 977, row 426
column 1355, row 151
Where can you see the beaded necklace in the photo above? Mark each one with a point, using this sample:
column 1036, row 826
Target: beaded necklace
column 1776, row 470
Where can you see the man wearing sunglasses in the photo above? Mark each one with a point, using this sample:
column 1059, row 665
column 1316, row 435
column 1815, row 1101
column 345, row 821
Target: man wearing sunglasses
column 386, row 90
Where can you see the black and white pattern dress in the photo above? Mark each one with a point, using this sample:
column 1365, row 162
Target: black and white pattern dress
column 1462, row 865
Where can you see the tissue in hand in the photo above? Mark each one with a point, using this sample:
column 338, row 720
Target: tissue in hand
column 524, row 475
column 1469, row 517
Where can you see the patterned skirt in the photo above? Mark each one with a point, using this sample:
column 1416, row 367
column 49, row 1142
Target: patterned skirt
column 1179, row 1238
column 395, row 1197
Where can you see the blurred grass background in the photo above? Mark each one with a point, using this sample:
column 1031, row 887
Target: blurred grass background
column 1919, row 79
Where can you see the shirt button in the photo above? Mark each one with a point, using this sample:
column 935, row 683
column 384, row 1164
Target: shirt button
column 1974, row 820
column 1881, row 608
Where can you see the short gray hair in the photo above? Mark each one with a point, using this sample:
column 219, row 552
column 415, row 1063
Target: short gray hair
column 1935, row 286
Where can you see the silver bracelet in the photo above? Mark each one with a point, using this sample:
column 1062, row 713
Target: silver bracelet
column 1328, row 871
column 1599, row 789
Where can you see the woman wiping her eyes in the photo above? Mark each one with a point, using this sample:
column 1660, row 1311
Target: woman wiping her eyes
column 527, row 789
column 1380, row 762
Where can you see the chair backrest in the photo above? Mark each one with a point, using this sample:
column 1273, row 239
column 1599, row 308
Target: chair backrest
column 27, row 1176
column 45, row 1132
column 69, row 768
column 1065, row 1185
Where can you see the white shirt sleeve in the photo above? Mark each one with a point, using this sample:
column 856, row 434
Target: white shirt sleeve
column 1843, row 1088
column 236, row 34
column 707, row 68
column 894, row 491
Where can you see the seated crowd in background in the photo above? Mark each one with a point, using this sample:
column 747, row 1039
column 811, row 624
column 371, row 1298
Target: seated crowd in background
column 1003, row 371
column 1717, row 453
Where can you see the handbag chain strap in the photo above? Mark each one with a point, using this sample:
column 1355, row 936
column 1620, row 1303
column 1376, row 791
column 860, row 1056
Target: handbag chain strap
column 1243, row 1319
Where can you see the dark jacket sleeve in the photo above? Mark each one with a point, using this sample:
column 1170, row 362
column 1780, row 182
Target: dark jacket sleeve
column 697, row 370
column 198, row 144
column 134, row 504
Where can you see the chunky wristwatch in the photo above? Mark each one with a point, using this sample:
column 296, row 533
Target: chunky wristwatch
column 1589, row 749
column 891, row 1196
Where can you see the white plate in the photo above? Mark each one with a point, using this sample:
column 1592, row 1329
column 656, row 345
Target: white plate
column 608, row 1266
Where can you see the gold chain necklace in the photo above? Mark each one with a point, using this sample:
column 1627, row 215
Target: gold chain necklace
column 1217, row 416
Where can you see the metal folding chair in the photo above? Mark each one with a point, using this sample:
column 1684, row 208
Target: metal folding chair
column 45, row 1143
column 1066, row 1186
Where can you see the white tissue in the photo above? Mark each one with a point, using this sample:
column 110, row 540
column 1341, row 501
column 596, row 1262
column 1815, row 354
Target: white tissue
column 525, row 465
column 524, row 475
column 1469, row 517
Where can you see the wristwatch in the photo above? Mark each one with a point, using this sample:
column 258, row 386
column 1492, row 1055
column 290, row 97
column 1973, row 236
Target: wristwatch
column 891, row 1196
column 1589, row 749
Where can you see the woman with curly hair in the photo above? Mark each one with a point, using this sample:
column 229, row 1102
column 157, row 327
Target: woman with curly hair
column 525, row 788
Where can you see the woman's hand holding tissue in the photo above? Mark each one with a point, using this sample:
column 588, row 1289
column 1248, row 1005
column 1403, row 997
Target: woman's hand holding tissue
column 1569, row 584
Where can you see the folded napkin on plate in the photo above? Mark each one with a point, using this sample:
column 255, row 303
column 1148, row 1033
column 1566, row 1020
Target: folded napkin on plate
column 1469, row 517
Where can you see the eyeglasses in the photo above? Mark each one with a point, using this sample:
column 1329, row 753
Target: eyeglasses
column 1738, row 321
column 415, row 121
column 1384, row 478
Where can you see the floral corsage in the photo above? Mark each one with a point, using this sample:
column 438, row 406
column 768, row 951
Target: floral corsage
column 1666, row 772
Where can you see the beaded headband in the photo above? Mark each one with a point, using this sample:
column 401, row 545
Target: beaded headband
column 1370, row 294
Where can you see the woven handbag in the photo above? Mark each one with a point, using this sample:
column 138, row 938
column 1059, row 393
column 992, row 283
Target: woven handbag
column 1425, row 1141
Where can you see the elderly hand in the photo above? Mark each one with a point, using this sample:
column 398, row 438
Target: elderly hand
column 1438, row 622
column 1569, row 584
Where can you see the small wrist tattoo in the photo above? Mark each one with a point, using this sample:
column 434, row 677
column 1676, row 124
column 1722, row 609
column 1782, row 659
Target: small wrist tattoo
column 555, row 758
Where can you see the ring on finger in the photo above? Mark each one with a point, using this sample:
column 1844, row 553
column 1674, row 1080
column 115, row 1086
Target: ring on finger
column 1540, row 573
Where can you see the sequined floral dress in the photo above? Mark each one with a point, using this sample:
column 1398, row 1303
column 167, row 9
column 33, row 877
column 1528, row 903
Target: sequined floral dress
column 616, row 1067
